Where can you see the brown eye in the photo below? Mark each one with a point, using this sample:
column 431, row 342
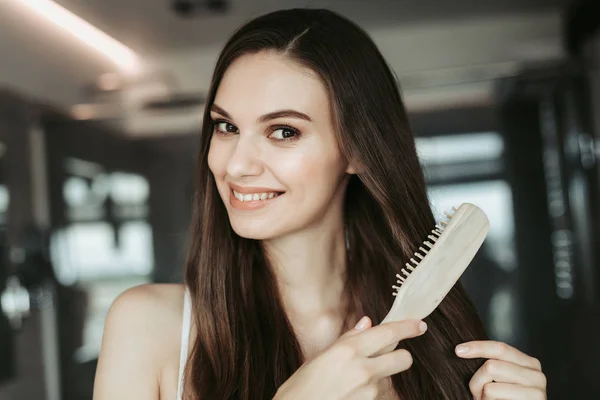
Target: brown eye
column 284, row 133
column 225, row 127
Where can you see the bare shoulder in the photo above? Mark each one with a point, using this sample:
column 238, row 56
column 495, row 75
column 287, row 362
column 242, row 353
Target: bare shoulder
column 147, row 302
column 141, row 336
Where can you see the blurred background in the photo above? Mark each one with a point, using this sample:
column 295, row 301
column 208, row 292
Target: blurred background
column 100, row 108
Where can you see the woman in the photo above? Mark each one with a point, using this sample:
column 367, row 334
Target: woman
column 309, row 197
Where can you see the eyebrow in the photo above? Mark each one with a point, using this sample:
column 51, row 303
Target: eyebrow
column 269, row 116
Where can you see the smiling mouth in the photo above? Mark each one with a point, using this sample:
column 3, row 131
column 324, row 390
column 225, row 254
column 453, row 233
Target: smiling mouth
column 247, row 197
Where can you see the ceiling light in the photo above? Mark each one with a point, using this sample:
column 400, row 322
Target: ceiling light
column 121, row 55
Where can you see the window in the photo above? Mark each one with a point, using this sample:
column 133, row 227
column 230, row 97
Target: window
column 105, row 246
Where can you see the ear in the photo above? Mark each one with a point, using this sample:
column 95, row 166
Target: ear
column 351, row 170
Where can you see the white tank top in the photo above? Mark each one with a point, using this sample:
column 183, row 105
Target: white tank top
column 185, row 340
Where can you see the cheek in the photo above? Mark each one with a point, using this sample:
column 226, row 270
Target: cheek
column 217, row 163
column 316, row 172
column 217, row 159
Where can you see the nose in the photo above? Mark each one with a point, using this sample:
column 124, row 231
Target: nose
column 245, row 159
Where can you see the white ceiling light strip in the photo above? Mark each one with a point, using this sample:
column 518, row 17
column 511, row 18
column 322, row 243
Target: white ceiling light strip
column 125, row 58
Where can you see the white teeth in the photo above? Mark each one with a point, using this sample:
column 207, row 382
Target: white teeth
column 254, row 196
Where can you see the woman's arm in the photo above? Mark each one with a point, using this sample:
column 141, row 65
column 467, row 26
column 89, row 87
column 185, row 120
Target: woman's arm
column 133, row 354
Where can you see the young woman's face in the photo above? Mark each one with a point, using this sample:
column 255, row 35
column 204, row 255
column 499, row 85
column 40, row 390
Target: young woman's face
column 273, row 152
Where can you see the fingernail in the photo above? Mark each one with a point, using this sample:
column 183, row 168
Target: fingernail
column 461, row 349
column 361, row 324
column 422, row 326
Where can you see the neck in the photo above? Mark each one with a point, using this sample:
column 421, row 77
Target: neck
column 310, row 267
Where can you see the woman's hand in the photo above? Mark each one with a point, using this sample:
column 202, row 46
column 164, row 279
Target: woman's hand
column 507, row 374
column 348, row 370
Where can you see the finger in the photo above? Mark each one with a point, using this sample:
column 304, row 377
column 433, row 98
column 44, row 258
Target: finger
column 505, row 372
column 496, row 390
column 363, row 324
column 382, row 336
column 497, row 350
column 390, row 363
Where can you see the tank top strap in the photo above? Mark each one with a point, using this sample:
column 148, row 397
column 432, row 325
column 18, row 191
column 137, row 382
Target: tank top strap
column 185, row 339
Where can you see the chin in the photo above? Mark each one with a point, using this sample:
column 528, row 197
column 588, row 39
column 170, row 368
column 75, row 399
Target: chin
column 255, row 229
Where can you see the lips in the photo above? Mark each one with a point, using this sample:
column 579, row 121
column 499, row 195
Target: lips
column 251, row 198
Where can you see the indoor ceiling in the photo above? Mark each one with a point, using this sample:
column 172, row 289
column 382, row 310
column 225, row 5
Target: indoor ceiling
column 151, row 27
column 47, row 64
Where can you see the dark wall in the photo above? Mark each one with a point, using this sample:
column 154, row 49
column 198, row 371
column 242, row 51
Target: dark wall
column 169, row 164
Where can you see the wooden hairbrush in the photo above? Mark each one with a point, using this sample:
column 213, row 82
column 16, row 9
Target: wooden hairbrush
column 438, row 264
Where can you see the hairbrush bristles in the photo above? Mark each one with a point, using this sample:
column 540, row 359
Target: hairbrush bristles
column 436, row 233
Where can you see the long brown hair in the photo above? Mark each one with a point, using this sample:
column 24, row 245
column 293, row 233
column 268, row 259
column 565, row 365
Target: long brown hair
column 245, row 346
